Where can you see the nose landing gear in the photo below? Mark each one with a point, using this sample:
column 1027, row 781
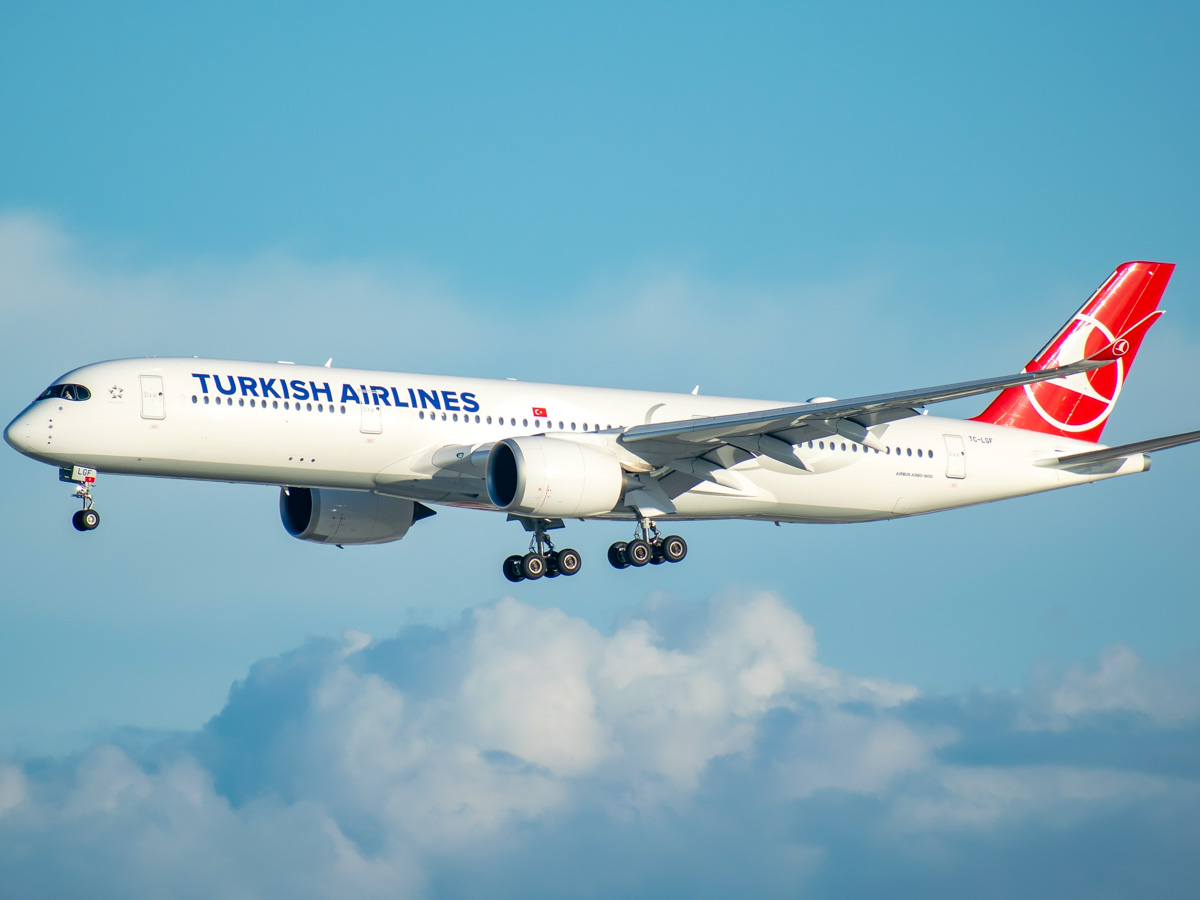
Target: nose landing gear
column 542, row 560
column 647, row 548
column 85, row 519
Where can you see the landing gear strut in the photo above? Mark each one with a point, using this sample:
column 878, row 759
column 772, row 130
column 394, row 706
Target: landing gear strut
column 85, row 519
column 647, row 548
column 542, row 560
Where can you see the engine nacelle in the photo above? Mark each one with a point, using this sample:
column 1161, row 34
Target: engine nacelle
column 550, row 477
column 347, row 517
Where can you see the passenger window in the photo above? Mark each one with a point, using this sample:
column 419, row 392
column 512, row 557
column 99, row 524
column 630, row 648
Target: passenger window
column 920, row 452
column 908, row 450
column 524, row 423
column 194, row 400
column 205, row 399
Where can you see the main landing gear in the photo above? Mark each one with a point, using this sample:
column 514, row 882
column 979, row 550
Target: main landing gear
column 648, row 547
column 542, row 559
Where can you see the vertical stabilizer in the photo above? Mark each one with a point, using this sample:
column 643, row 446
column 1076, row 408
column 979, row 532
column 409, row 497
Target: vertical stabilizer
column 1077, row 406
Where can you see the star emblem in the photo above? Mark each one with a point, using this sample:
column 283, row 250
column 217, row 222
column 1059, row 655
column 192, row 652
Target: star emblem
column 115, row 392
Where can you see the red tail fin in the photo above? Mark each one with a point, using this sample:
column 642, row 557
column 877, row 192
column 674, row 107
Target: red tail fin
column 1078, row 406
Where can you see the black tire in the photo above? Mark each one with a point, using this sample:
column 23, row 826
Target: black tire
column 657, row 559
column 616, row 555
column 638, row 552
column 77, row 520
column 674, row 548
column 512, row 569
column 569, row 561
column 90, row 519
column 533, row 566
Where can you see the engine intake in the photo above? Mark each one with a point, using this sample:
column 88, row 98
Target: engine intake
column 552, row 477
column 347, row 517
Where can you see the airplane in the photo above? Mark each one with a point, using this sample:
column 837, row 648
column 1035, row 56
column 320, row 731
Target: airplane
column 361, row 456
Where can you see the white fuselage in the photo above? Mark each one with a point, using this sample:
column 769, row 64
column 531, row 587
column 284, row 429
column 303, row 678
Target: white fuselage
column 283, row 424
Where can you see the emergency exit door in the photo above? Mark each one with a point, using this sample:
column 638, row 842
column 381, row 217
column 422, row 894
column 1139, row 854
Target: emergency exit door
column 956, row 457
column 153, row 404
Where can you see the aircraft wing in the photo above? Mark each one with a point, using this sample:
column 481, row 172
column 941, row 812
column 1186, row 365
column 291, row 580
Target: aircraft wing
column 858, row 411
column 1106, row 453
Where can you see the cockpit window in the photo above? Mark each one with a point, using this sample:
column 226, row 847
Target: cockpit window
column 66, row 392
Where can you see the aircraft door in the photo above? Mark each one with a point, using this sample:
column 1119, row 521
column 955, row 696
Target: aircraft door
column 956, row 457
column 153, row 403
column 372, row 419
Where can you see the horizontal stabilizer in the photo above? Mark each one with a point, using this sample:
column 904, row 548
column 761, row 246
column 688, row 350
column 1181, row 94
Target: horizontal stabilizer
column 1107, row 453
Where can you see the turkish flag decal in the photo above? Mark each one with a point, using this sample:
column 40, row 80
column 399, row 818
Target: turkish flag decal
column 539, row 411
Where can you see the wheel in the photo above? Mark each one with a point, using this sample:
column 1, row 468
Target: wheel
column 616, row 555
column 533, row 565
column 656, row 558
column 674, row 548
column 569, row 561
column 638, row 552
column 512, row 569
column 85, row 519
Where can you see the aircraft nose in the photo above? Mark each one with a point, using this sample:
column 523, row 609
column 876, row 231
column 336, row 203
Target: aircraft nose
column 18, row 433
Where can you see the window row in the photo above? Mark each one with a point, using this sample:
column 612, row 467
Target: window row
column 287, row 404
column 433, row 416
column 854, row 448
column 537, row 423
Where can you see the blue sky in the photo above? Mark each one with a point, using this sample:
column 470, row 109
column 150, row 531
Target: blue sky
column 773, row 200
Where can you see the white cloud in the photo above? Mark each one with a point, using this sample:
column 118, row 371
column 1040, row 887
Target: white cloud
column 1119, row 682
column 396, row 767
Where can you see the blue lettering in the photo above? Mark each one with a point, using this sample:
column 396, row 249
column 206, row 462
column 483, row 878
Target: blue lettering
column 379, row 396
column 348, row 395
column 268, row 387
column 203, row 381
column 428, row 399
column 412, row 397
column 396, row 397
column 469, row 404
column 232, row 385
column 299, row 391
column 318, row 391
column 451, row 398
column 249, row 388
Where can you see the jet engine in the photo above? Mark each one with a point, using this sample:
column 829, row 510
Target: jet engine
column 551, row 477
column 347, row 517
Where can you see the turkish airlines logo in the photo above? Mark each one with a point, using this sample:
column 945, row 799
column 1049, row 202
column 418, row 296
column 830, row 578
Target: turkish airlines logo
column 539, row 412
column 1082, row 401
